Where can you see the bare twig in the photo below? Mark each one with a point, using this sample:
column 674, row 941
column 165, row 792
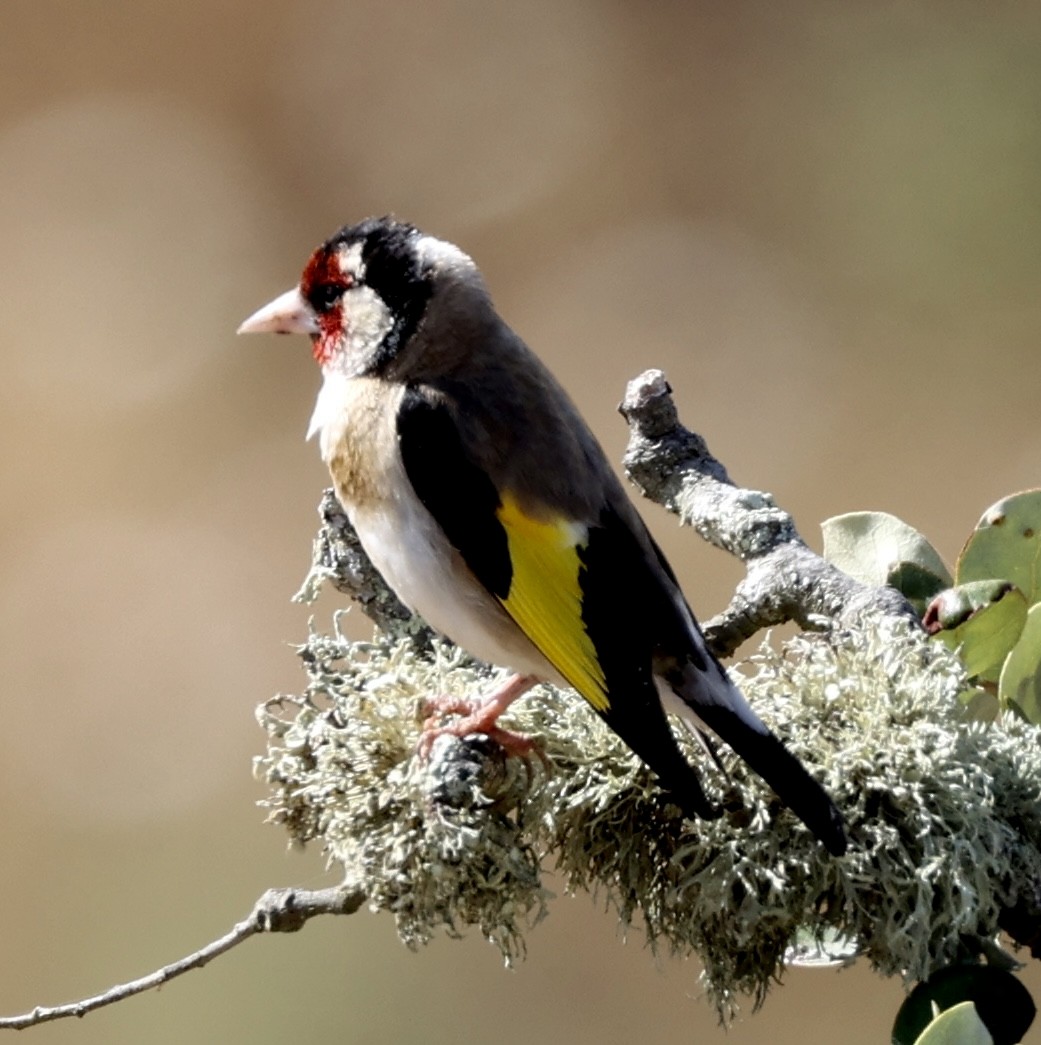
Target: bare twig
column 786, row 580
column 277, row 911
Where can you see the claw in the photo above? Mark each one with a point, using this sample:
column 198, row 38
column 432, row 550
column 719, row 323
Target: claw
column 479, row 716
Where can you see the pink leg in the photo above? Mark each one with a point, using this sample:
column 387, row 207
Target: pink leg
column 478, row 717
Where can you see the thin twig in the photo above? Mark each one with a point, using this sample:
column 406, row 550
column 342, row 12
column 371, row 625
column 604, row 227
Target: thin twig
column 277, row 911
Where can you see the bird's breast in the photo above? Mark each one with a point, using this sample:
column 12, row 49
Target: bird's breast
column 356, row 422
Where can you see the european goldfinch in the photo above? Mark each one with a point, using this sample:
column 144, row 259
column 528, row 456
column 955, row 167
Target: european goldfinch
column 488, row 506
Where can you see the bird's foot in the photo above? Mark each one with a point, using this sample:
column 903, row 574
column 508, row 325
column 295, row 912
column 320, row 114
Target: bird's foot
column 478, row 716
column 474, row 723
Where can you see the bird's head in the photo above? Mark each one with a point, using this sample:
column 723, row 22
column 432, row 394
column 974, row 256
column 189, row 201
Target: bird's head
column 365, row 293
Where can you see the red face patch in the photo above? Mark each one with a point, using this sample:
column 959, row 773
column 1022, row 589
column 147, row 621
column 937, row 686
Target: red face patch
column 322, row 270
column 322, row 285
column 331, row 333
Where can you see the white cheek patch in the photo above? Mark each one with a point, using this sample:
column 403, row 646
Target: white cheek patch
column 366, row 322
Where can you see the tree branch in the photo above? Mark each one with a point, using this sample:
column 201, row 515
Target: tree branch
column 862, row 704
column 339, row 559
column 459, row 840
column 786, row 580
column 277, row 911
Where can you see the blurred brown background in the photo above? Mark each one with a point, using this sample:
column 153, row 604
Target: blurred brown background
column 822, row 219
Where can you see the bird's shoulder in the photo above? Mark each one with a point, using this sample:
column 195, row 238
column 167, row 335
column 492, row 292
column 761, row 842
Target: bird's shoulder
column 477, row 468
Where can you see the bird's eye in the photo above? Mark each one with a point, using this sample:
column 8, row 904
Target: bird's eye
column 325, row 295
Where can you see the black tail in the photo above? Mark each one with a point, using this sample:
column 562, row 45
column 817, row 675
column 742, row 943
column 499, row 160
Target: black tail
column 655, row 744
column 782, row 771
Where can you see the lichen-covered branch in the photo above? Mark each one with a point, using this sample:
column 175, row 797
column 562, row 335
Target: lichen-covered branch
column 785, row 579
column 944, row 818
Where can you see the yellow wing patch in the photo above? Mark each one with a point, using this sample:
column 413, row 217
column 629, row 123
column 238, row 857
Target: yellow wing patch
column 545, row 597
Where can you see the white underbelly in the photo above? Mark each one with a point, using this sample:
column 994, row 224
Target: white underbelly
column 416, row 560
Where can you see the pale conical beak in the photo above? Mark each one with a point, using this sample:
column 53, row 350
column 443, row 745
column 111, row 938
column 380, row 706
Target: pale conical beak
column 287, row 314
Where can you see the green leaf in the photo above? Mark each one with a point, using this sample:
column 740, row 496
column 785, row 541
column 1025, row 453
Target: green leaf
column 982, row 620
column 959, row 1025
column 917, row 584
column 1001, row 1002
column 874, row 547
column 1020, row 682
column 1007, row 543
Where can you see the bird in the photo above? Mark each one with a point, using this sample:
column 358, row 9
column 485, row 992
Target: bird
column 489, row 507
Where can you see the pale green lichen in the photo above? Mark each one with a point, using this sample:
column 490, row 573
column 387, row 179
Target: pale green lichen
column 944, row 817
